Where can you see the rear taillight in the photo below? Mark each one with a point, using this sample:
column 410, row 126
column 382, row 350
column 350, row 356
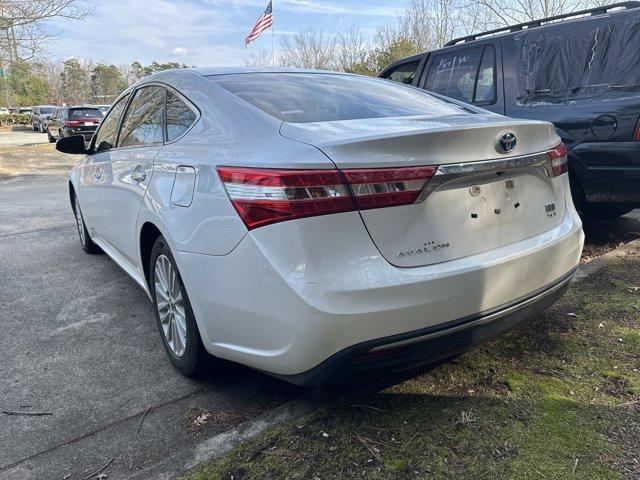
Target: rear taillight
column 636, row 134
column 71, row 123
column 265, row 196
column 386, row 187
column 558, row 158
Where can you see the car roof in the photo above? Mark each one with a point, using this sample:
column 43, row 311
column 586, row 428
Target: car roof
column 178, row 73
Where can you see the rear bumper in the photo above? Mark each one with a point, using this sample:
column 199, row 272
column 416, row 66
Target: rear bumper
column 293, row 295
column 431, row 344
column 610, row 171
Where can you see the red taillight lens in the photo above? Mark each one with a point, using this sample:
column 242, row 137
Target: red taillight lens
column 265, row 196
column 558, row 157
column 386, row 187
column 636, row 134
column 71, row 123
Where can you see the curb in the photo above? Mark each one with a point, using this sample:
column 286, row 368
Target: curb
column 605, row 260
column 214, row 447
column 211, row 448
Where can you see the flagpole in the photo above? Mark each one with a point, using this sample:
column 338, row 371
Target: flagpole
column 273, row 39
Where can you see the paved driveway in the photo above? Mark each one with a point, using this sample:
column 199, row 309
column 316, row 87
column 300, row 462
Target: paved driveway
column 78, row 343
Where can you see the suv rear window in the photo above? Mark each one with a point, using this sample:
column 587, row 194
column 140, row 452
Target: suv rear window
column 568, row 63
column 315, row 97
column 82, row 113
column 45, row 111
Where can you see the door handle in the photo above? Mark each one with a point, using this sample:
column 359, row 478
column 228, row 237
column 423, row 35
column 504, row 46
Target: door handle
column 98, row 174
column 139, row 175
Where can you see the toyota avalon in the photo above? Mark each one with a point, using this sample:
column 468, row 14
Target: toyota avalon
column 312, row 223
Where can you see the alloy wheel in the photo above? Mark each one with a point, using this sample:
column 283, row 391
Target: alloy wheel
column 79, row 222
column 170, row 305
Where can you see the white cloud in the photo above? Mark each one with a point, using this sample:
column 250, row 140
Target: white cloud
column 179, row 51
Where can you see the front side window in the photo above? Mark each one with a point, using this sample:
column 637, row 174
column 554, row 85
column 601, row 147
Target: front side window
column 314, row 97
column 108, row 134
column 179, row 117
column 143, row 120
column 454, row 74
column 404, row 73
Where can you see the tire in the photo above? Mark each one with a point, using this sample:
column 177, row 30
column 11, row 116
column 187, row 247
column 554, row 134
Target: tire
column 593, row 211
column 181, row 339
column 60, row 137
column 85, row 240
column 603, row 212
column 50, row 137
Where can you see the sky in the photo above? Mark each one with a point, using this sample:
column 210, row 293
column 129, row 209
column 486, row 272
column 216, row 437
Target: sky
column 203, row 32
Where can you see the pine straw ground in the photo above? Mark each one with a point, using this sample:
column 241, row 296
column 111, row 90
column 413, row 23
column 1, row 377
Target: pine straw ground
column 557, row 398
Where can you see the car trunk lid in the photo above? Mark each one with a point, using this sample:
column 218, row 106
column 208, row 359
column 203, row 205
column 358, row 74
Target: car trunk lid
column 478, row 200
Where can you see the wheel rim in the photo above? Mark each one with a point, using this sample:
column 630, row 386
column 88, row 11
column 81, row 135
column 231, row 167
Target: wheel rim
column 170, row 305
column 80, row 222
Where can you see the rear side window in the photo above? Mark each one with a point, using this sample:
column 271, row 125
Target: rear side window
column 454, row 74
column 143, row 120
column 84, row 113
column 314, row 97
column 179, row 117
column 465, row 75
column 108, row 132
column 403, row 73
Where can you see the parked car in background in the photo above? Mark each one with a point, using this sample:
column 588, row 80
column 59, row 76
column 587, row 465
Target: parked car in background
column 4, row 111
column 306, row 223
column 78, row 120
column 24, row 110
column 578, row 71
column 40, row 116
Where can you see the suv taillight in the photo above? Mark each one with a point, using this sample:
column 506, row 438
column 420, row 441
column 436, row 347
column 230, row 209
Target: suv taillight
column 636, row 134
column 265, row 196
column 71, row 123
column 558, row 157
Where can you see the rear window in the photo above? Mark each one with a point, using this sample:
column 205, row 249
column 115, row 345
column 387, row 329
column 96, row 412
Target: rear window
column 81, row 113
column 572, row 62
column 308, row 97
column 46, row 111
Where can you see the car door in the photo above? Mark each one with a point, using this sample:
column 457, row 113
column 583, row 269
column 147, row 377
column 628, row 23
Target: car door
column 130, row 167
column 470, row 74
column 94, row 170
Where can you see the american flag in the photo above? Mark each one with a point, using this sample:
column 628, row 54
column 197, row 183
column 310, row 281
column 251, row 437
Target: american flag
column 265, row 21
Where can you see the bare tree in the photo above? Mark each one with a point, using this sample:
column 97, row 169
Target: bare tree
column 22, row 35
column 353, row 52
column 308, row 49
column 263, row 58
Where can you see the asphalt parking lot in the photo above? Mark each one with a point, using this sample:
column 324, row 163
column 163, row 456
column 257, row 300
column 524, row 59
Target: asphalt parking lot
column 85, row 382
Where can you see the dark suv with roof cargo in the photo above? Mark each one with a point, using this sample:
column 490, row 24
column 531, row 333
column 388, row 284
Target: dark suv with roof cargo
column 68, row 121
column 580, row 71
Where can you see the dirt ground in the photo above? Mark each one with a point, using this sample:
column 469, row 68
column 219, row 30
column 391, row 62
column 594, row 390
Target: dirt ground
column 25, row 152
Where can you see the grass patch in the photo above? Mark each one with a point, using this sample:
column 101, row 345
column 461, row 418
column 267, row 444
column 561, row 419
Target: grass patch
column 555, row 399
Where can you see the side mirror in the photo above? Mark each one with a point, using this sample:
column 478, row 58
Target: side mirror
column 74, row 145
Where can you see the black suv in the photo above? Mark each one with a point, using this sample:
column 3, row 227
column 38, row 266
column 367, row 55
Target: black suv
column 40, row 115
column 68, row 121
column 580, row 71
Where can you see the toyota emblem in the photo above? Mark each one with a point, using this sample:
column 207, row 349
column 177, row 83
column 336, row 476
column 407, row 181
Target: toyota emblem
column 506, row 142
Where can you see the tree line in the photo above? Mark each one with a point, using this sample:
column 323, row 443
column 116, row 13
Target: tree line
column 72, row 81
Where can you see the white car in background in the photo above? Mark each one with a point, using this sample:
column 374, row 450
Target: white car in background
column 309, row 223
